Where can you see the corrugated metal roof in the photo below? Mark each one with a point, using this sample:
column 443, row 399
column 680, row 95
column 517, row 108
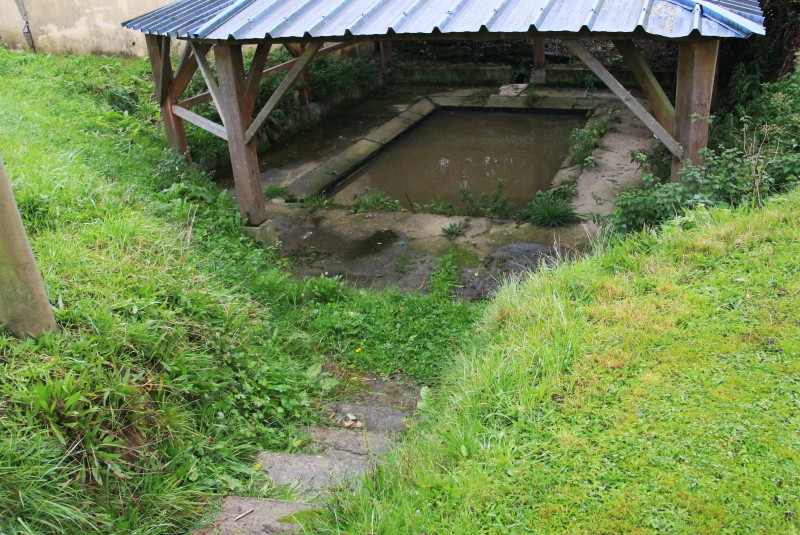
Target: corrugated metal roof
column 341, row 19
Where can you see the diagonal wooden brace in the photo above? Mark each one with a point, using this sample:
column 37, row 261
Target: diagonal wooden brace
column 208, row 75
column 624, row 95
column 280, row 92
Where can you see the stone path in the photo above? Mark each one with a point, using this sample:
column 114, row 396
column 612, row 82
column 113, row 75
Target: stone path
column 348, row 448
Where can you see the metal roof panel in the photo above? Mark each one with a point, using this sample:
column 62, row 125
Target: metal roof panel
column 337, row 19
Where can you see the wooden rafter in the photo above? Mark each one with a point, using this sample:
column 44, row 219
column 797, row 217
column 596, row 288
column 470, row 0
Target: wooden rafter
column 662, row 107
column 281, row 91
column 624, row 95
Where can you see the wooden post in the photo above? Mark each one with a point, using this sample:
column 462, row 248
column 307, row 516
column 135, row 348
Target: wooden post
column 24, row 306
column 158, row 50
column 539, row 61
column 297, row 50
column 662, row 107
column 237, row 104
column 387, row 53
column 697, row 69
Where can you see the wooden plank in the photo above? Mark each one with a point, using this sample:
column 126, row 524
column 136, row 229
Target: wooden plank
column 662, row 107
column 208, row 76
column 624, row 95
column 195, row 100
column 234, row 100
column 697, row 67
column 24, row 306
column 201, row 122
column 281, row 91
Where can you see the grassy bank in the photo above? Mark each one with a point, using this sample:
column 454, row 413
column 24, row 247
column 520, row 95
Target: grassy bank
column 184, row 346
column 651, row 389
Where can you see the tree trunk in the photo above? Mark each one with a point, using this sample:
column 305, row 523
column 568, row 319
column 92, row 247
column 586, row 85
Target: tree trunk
column 24, row 306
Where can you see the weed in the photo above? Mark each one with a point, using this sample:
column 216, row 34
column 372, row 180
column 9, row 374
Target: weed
column 491, row 204
column 317, row 202
column 275, row 191
column 437, row 206
column 551, row 208
column 374, row 200
column 584, row 140
column 531, row 98
column 454, row 230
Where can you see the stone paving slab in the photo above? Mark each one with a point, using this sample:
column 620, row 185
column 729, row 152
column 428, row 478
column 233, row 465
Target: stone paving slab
column 376, row 418
column 512, row 90
column 344, row 443
column 311, row 474
column 255, row 516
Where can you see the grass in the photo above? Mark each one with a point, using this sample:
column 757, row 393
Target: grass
column 651, row 388
column 184, row 346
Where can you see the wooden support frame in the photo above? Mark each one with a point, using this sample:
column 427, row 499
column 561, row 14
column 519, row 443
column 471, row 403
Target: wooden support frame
column 283, row 67
column 624, row 95
column 386, row 49
column 281, row 91
column 663, row 109
column 697, row 69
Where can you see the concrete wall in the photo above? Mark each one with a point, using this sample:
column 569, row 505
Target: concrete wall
column 75, row 26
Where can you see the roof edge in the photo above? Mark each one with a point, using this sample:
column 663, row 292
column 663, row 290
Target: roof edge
column 725, row 17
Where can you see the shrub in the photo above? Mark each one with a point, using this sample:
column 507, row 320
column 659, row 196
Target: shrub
column 374, row 200
column 491, row 204
column 549, row 211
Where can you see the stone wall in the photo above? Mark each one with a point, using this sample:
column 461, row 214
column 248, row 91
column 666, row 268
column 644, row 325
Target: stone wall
column 75, row 26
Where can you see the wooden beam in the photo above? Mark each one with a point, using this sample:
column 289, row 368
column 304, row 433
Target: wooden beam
column 662, row 107
column 235, row 102
column 24, row 306
column 697, row 68
column 201, row 122
column 162, row 74
column 623, row 94
column 208, row 76
column 281, row 91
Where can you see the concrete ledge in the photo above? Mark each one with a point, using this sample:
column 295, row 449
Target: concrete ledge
column 334, row 169
column 265, row 233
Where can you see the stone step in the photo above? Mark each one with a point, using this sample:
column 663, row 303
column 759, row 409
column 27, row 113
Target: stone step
column 255, row 516
column 345, row 443
column 373, row 417
column 311, row 475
